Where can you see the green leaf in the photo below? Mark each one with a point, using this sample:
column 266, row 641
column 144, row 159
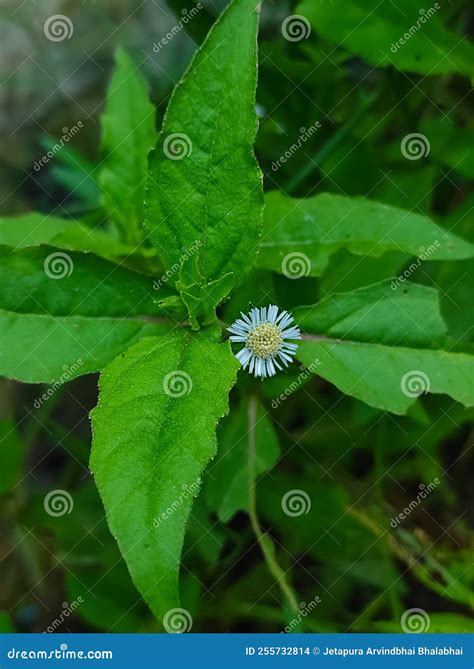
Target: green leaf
column 46, row 280
column 300, row 235
column 67, row 314
column 33, row 229
column 227, row 479
column 200, row 297
column 154, row 433
column 373, row 30
column 75, row 174
column 205, row 186
column 455, row 282
column 55, row 349
column 344, row 272
column 385, row 347
column 128, row 135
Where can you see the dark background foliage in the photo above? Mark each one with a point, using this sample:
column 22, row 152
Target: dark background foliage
column 360, row 467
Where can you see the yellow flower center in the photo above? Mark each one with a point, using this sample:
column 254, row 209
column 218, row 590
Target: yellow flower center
column 265, row 340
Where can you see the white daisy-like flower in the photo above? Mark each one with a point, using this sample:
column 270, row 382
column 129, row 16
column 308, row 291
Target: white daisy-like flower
column 266, row 333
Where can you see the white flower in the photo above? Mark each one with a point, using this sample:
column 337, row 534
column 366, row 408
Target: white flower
column 265, row 333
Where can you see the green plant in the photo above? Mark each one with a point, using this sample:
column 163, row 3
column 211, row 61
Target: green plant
column 148, row 299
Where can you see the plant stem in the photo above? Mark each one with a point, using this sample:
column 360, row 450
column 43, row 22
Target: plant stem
column 264, row 542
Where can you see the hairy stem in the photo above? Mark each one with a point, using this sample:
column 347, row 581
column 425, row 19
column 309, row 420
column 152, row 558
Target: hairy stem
column 264, row 542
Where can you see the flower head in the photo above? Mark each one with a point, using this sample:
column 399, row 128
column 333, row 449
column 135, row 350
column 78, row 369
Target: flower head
column 265, row 333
